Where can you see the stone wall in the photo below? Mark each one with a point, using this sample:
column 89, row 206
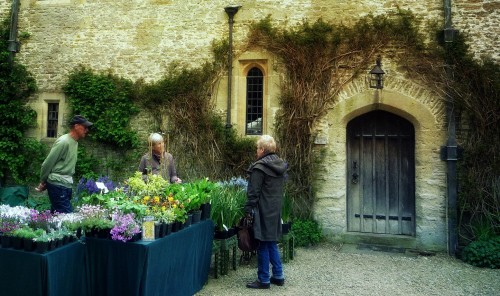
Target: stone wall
column 138, row 39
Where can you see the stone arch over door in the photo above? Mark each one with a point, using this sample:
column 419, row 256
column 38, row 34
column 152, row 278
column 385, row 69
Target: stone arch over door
column 426, row 114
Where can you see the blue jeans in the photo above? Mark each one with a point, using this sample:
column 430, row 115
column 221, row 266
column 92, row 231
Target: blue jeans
column 60, row 198
column 268, row 252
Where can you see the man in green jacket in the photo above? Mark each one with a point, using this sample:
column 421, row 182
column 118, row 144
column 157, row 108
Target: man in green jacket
column 58, row 168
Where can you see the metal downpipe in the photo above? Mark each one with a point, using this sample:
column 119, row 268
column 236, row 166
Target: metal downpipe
column 13, row 44
column 450, row 151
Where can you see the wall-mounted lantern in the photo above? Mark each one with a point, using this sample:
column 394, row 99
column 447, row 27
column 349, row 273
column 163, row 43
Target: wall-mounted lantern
column 377, row 76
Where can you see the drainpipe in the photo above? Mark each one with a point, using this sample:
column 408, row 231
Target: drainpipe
column 231, row 10
column 13, row 44
column 449, row 153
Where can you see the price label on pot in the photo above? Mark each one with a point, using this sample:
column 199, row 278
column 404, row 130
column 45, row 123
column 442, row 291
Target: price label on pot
column 148, row 228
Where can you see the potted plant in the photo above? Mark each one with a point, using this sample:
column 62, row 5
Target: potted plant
column 7, row 226
column 166, row 218
column 27, row 234
column 286, row 212
column 227, row 209
column 42, row 241
column 125, row 227
column 41, row 220
column 95, row 221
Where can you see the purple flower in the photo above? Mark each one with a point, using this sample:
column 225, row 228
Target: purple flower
column 88, row 186
column 125, row 227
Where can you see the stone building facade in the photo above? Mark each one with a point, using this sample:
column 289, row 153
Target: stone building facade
column 138, row 38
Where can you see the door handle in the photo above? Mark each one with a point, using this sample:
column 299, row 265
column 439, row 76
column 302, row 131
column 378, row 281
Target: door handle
column 354, row 179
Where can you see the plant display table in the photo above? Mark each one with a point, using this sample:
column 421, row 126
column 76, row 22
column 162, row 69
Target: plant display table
column 225, row 246
column 287, row 247
column 58, row 272
column 177, row 264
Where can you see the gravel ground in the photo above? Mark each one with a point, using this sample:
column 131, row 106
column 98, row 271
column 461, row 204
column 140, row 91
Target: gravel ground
column 329, row 269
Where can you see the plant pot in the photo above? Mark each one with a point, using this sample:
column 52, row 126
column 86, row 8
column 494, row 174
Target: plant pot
column 104, row 233
column 285, row 227
column 224, row 234
column 163, row 229
column 52, row 245
column 196, row 217
column 17, row 242
column 176, row 226
column 58, row 243
column 29, row 245
column 157, row 230
column 6, row 241
column 168, row 228
column 205, row 211
column 136, row 237
column 187, row 223
column 91, row 232
column 42, row 247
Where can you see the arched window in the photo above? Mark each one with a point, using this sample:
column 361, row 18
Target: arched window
column 255, row 94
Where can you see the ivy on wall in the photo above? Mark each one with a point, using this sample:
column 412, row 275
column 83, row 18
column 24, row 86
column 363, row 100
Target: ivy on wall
column 319, row 59
column 475, row 93
column 20, row 157
column 106, row 100
column 181, row 104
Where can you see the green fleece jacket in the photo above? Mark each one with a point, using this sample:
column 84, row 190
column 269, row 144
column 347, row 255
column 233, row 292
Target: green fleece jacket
column 59, row 166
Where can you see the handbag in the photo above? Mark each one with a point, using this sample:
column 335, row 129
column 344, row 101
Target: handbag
column 246, row 238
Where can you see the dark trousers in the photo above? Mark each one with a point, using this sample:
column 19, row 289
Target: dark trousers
column 60, row 198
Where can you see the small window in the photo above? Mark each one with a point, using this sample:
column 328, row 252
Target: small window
column 255, row 94
column 52, row 119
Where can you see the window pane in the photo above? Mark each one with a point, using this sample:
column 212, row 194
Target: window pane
column 255, row 87
column 52, row 119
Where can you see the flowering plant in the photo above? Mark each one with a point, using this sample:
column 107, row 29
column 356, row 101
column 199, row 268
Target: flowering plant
column 153, row 185
column 94, row 216
column 18, row 212
column 9, row 224
column 125, row 226
column 89, row 186
column 40, row 220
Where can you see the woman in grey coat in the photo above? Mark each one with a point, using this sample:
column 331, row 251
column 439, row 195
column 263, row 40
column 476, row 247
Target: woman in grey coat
column 264, row 202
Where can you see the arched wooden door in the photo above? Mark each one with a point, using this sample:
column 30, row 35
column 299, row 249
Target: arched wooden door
column 381, row 174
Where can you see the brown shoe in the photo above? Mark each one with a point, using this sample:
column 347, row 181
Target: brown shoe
column 277, row 282
column 258, row 285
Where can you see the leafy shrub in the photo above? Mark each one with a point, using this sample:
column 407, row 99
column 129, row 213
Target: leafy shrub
column 306, row 232
column 483, row 253
column 92, row 95
column 17, row 84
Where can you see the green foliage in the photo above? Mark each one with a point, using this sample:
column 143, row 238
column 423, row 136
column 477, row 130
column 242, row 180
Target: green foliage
column 86, row 166
column 319, row 59
column 483, row 253
column 38, row 202
column 474, row 88
column 180, row 104
column 17, row 154
column 106, row 100
column 227, row 206
column 28, row 233
column 306, row 232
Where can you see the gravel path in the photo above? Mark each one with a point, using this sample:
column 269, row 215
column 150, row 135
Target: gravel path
column 329, row 269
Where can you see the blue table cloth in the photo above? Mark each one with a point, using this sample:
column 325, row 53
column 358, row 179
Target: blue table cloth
column 177, row 264
column 58, row 272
